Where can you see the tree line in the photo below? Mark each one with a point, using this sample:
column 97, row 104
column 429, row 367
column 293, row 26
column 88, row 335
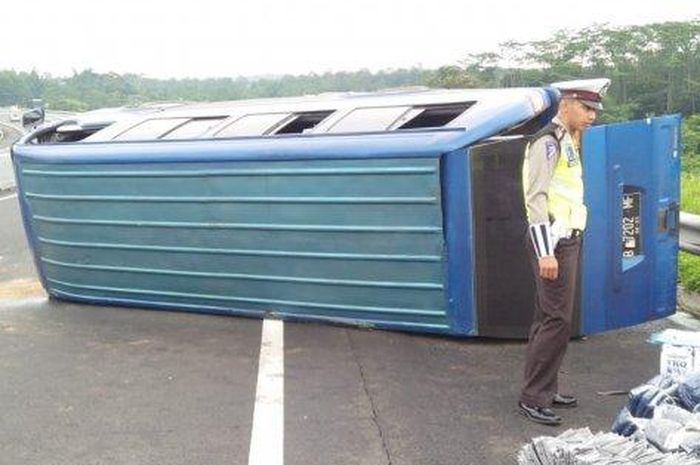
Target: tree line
column 655, row 69
column 87, row 90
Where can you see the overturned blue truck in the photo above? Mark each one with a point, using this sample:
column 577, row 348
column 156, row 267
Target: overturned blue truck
column 398, row 210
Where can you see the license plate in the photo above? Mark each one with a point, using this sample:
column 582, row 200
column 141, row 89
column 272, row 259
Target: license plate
column 631, row 223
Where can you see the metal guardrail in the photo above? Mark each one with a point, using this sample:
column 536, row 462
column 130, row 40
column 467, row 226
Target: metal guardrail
column 690, row 233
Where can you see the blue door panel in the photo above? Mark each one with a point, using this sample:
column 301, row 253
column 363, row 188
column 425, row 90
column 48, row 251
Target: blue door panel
column 630, row 166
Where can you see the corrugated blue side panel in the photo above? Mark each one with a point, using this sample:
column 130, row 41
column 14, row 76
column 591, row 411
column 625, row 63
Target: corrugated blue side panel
column 350, row 240
column 28, row 224
column 643, row 157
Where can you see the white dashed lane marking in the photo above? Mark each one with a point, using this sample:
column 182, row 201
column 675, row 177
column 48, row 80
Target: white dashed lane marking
column 267, row 435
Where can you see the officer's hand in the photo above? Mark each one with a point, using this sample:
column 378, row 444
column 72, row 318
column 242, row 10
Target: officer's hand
column 549, row 267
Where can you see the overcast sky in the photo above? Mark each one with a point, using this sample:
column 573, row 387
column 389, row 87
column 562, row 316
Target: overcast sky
column 211, row 38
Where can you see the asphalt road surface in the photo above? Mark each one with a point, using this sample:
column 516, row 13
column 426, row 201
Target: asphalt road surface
column 7, row 176
column 91, row 385
column 9, row 133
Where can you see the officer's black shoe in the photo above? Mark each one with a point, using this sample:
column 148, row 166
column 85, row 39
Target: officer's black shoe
column 564, row 401
column 541, row 415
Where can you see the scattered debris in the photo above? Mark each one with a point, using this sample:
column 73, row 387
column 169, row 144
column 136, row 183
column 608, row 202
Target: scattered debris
column 582, row 447
column 660, row 425
column 614, row 392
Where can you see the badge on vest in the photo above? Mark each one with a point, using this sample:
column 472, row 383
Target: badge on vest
column 550, row 148
column 571, row 156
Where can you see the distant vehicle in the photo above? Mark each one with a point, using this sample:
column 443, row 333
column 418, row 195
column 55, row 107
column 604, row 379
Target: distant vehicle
column 15, row 113
column 33, row 118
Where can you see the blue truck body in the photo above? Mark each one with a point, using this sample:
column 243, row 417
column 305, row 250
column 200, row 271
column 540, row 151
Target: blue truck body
column 418, row 230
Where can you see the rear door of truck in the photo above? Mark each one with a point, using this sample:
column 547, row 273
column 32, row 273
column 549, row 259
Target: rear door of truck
column 631, row 172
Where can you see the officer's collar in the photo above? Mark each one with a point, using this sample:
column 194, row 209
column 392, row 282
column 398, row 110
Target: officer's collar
column 560, row 129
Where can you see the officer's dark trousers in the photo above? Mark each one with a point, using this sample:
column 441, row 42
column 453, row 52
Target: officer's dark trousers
column 551, row 326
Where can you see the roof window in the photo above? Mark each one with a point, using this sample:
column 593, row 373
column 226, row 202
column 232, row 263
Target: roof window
column 432, row 116
column 302, row 122
column 369, row 119
column 151, row 129
column 252, row 125
column 193, row 128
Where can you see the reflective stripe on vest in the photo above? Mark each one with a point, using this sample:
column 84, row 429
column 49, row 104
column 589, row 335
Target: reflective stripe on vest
column 565, row 194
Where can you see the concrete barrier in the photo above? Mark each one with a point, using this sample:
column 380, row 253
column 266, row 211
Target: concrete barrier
column 689, row 301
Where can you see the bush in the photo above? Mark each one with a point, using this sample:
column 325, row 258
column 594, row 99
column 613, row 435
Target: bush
column 690, row 192
column 689, row 265
column 689, row 271
column 691, row 144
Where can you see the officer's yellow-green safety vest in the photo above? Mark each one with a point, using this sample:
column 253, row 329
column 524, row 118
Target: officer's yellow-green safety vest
column 565, row 195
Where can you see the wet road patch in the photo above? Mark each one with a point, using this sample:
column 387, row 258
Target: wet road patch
column 21, row 289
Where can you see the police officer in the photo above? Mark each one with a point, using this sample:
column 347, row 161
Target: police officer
column 553, row 189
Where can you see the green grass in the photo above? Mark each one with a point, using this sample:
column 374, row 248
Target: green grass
column 689, row 271
column 690, row 192
column 689, row 265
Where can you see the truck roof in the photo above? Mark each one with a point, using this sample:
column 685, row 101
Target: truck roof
column 488, row 110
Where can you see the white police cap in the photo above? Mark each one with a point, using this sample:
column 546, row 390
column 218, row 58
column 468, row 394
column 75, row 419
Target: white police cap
column 589, row 91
